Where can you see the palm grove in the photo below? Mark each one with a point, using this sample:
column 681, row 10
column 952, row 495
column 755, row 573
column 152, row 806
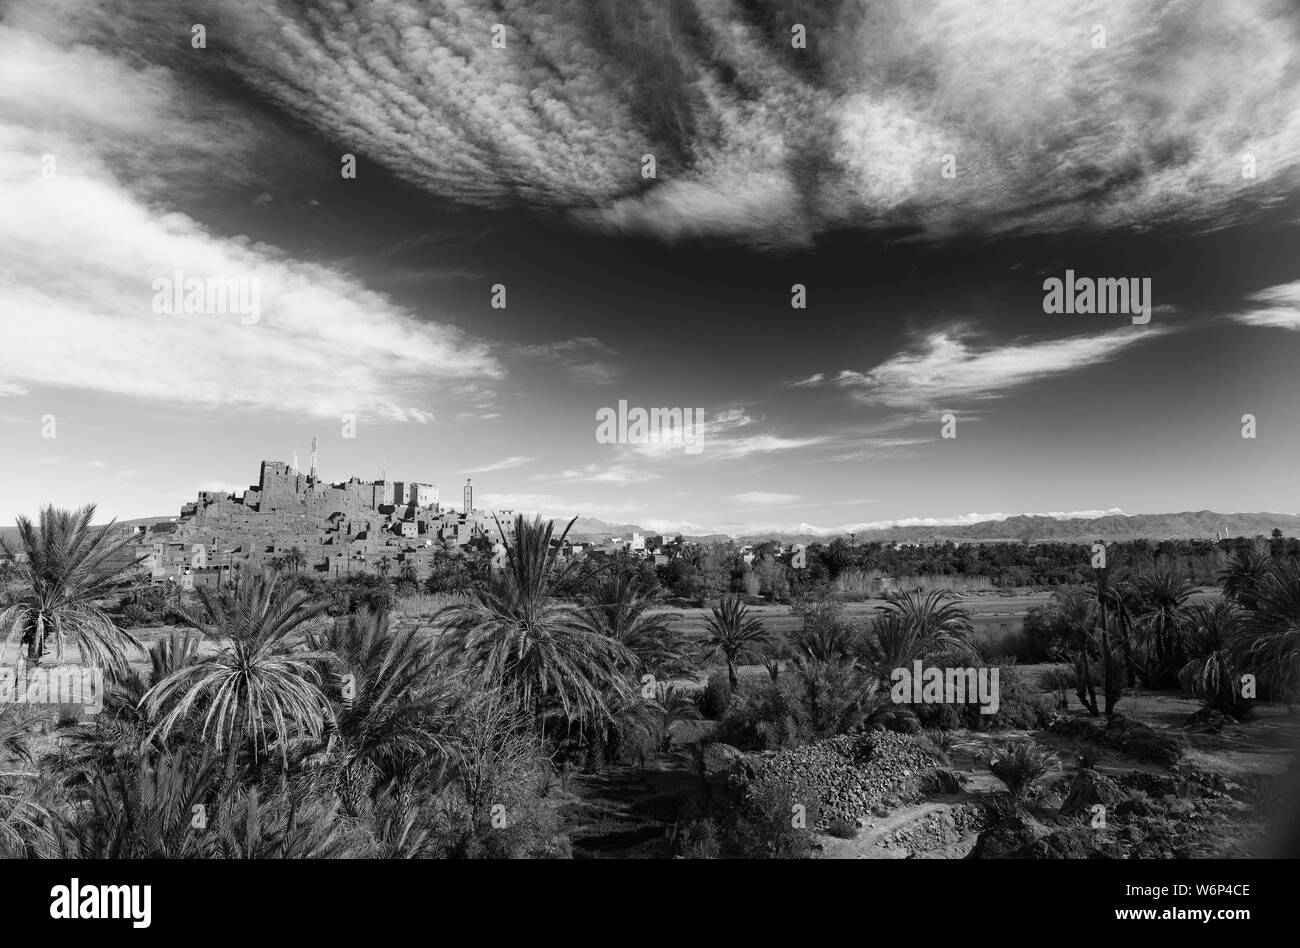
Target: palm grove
column 289, row 718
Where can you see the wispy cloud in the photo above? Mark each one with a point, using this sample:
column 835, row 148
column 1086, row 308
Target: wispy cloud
column 504, row 464
column 583, row 358
column 950, row 367
column 764, row 497
column 602, row 474
column 1279, row 307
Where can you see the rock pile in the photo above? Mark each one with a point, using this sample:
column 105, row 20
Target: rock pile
column 844, row 778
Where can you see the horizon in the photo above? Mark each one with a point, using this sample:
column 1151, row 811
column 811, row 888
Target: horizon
column 847, row 305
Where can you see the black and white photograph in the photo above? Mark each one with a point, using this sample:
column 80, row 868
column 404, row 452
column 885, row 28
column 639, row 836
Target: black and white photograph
column 650, row 430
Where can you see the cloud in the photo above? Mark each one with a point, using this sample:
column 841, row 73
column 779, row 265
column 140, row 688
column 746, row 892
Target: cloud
column 82, row 252
column 602, row 474
column 504, row 464
column 584, row 358
column 949, row 367
column 729, row 435
column 761, row 142
column 1280, row 308
column 762, row 497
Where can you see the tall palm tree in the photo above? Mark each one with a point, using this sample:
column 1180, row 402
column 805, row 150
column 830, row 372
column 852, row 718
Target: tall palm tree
column 1210, row 674
column 1160, row 622
column 391, row 703
column 260, row 685
column 617, row 604
column 1268, row 643
column 735, row 634
column 69, row 567
column 512, row 631
column 1245, row 571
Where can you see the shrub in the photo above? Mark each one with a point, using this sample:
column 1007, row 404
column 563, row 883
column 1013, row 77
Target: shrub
column 763, row 717
column 1020, row 706
column 715, row 696
column 1020, row 765
column 841, row 828
column 769, row 826
column 937, row 742
column 697, row 840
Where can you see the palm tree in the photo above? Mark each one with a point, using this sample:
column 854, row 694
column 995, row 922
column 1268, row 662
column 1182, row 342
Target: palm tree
column 1210, row 674
column 295, row 559
column 259, row 685
column 68, row 568
column 391, row 703
column 917, row 626
column 1160, row 622
column 1245, row 571
column 674, row 706
column 1269, row 639
column 735, row 634
column 385, row 566
column 617, row 605
column 512, row 631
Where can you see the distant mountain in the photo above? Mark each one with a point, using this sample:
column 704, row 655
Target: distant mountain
column 1201, row 524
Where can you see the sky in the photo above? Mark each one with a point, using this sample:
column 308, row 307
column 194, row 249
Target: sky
column 920, row 169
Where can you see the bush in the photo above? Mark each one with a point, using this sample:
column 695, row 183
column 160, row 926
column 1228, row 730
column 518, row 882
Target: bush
column 1020, row 765
column 841, row 828
column 714, row 698
column 697, row 840
column 1020, row 706
column 938, row 742
column 770, row 826
column 763, row 717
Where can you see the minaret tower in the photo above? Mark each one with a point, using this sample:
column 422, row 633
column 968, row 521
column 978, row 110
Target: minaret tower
column 313, row 460
column 469, row 497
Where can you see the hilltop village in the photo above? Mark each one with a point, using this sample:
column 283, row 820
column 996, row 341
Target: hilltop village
column 294, row 518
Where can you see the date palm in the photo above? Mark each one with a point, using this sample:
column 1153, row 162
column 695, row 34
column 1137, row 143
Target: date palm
column 918, row 626
column 1268, row 643
column 392, row 703
column 68, row 569
column 1160, row 621
column 260, row 686
column 734, row 634
column 512, row 631
column 617, row 605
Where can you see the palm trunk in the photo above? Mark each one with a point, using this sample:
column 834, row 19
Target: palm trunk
column 731, row 673
column 36, row 647
column 232, row 757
